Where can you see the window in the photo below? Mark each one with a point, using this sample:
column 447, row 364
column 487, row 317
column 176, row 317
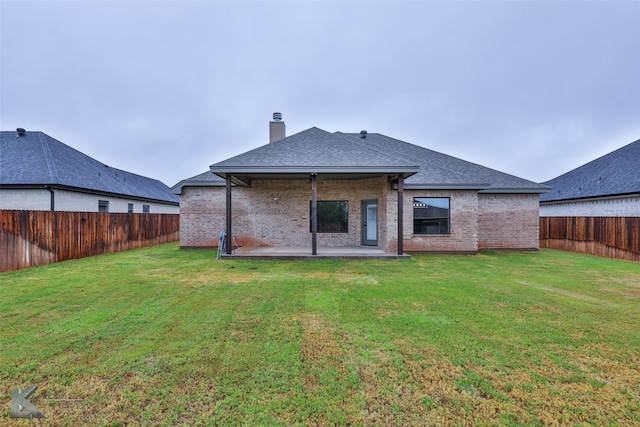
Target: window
column 333, row 216
column 431, row 215
column 145, row 208
column 103, row 206
column 130, row 208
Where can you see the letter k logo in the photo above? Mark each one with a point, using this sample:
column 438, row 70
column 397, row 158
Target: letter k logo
column 21, row 407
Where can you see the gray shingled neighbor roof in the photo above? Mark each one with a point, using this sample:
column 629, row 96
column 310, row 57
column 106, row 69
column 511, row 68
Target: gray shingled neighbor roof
column 36, row 160
column 315, row 150
column 616, row 173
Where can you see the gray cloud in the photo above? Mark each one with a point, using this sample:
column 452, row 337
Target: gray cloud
column 164, row 89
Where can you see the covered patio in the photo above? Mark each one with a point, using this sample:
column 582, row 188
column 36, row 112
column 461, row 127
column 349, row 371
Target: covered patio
column 322, row 168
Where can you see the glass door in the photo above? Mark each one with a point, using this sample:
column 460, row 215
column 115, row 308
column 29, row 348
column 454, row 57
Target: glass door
column 370, row 222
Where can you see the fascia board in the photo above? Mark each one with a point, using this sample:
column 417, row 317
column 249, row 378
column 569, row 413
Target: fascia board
column 460, row 186
column 92, row 192
column 25, row 186
column 406, row 171
column 248, row 170
column 110, row 194
column 524, row 190
column 590, row 199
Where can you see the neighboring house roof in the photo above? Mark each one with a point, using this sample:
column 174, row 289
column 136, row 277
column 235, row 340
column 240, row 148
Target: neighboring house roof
column 614, row 174
column 36, row 160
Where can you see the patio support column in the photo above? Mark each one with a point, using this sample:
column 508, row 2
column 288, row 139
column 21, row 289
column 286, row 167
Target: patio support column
column 314, row 213
column 400, row 213
column 228, row 210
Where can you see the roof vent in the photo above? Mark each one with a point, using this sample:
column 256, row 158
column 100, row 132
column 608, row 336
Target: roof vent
column 363, row 134
column 21, row 132
column 277, row 117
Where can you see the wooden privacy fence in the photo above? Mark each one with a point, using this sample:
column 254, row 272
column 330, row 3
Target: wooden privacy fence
column 613, row 237
column 30, row 238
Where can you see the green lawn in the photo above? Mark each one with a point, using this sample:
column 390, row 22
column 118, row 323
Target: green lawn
column 162, row 336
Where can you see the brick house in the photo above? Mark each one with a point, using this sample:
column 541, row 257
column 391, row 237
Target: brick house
column 317, row 188
column 40, row 173
column 607, row 186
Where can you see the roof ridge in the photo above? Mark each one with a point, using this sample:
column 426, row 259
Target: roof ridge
column 597, row 160
column 355, row 140
column 96, row 161
column 428, row 161
column 462, row 160
column 613, row 173
column 51, row 164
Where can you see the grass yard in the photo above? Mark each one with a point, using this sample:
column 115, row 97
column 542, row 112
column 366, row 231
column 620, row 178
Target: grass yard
column 162, row 336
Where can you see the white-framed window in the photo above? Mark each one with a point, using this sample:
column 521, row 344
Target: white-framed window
column 103, row 206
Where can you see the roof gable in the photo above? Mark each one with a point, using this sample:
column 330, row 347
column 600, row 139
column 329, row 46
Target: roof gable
column 313, row 148
column 313, row 151
column 616, row 173
column 38, row 159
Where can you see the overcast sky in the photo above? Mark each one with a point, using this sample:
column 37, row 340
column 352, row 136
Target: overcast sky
column 166, row 88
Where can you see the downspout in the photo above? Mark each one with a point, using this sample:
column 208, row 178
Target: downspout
column 228, row 210
column 400, row 214
column 314, row 213
column 53, row 198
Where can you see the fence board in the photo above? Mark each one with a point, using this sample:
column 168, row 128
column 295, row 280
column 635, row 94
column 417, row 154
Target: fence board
column 614, row 237
column 30, row 238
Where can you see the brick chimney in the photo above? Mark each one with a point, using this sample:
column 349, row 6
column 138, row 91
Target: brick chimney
column 276, row 128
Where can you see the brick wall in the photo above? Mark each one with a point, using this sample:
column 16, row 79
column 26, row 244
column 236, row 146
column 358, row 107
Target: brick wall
column 276, row 212
column 508, row 221
column 463, row 236
column 202, row 216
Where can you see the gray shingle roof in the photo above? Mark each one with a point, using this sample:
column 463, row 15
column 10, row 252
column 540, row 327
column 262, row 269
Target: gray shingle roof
column 315, row 149
column 37, row 159
column 204, row 179
column 438, row 170
column 616, row 173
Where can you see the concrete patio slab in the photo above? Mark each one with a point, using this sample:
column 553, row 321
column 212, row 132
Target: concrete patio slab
column 304, row 253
